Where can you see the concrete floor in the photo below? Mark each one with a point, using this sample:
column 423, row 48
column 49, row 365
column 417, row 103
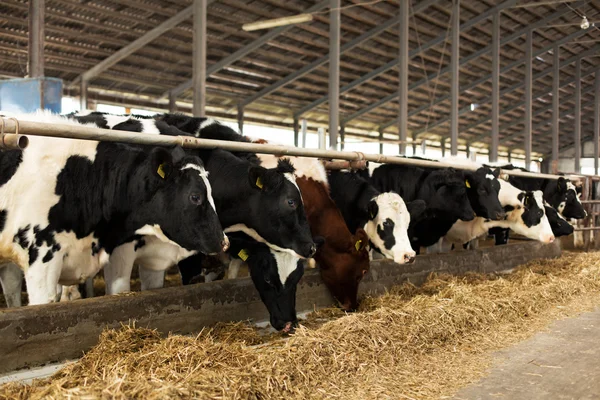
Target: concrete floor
column 562, row 362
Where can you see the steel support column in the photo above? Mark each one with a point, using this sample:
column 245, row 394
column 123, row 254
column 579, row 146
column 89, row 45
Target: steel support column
column 342, row 137
column 403, row 75
column 240, row 119
column 83, row 95
column 172, row 103
column 495, row 88
column 304, row 128
column 454, row 81
column 555, row 105
column 296, row 131
column 528, row 97
column 596, row 120
column 334, row 72
column 35, row 48
column 577, row 117
column 443, row 146
column 199, row 58
column 380, row 141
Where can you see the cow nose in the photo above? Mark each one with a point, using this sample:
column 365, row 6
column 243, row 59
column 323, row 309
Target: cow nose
column 225, row 243
column 409, row 258
column 313, row 250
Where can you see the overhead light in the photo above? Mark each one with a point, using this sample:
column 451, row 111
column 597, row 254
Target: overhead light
column 272, row 23
column 584, row 23
column 474, row 106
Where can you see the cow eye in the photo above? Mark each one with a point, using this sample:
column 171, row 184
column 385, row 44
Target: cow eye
column 196, row 199
column 292, row 203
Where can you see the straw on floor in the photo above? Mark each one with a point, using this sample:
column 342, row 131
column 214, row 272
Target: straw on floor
column 413, row 342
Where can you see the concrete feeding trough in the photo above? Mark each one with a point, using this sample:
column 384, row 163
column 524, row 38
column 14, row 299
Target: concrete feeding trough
column 37, row 335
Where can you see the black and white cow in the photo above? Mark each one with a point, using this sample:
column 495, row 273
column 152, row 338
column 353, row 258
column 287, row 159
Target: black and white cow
column 384, row 216
column 524, row 215
column 444, row 191
column 560, row 226
column 62, row 201
column 560, row 193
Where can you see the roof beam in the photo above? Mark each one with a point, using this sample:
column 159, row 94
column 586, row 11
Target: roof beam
column 137, row 44
column 321, row 61
column 464, row 60
column 517, row 86
column 384, row 68
column 239, row 54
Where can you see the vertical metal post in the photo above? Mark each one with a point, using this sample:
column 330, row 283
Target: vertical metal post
column 509, row 156
column 454, row 83
column 577, row 116
column 443, row 146
column 381, row 141
column 83, row 95
column 468, row 151
column 528, row 97
column 495, row 88
column 414, row 147
column 35, row 48
column 240, row 119
column 596, row 120
column 172, row 103
column 296, row 131
column 555, row 105
column 342, row 137
column 334, row 72
column 403, row 76
column 199, row 58
column 304, row 127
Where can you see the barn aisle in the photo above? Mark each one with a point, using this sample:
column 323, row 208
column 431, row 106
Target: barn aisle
column 558, row 363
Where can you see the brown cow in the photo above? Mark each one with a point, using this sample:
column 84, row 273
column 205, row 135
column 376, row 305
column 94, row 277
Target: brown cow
column 343, row 258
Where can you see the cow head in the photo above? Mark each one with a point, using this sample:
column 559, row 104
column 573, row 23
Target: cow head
column 343, row 264
column 276, row 209
column 450, row 194
column 387, row 226
column 562, row 195
column 529, row 218
column 170, row 196
column 482, row 190
column 560, row 226
column 275, row 275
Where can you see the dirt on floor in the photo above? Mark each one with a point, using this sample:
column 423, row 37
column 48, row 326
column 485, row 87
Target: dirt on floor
column 418, row 343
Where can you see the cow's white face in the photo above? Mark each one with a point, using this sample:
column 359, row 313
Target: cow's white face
column 387, row 227
column 530, row 219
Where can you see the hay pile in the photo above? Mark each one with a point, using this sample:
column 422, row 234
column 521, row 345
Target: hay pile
column 410, row 343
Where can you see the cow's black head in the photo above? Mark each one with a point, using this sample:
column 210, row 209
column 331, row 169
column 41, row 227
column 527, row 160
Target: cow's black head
column 450, row 194
column 276, row 210
column 482, row 189
column 170, row 195
column 560, row 226
column 275, row 275
column 562, row 195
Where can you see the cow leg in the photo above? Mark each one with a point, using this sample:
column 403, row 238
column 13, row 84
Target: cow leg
column 117, row 273
column 42, row 281
column 87, row 289
column 190, row 268
column 234, row 268
column 69, row 293
column 11, row 278
column 151, row 279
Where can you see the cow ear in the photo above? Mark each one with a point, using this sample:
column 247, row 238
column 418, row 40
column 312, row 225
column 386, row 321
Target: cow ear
column 416, row 208
column 372, row 209
column 361, row 240
column 161, row 162
column 256, row 177
column 496, row 172
column 561, row 184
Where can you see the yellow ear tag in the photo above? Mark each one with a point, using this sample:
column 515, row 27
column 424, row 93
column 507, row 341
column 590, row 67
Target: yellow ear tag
column 243, row 254
column 259, row 183
column 468, row 184
column 161, row 170
column 357, row 245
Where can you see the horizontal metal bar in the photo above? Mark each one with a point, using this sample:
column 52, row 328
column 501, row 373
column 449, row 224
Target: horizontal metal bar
column 90, row 133
column 588, row 228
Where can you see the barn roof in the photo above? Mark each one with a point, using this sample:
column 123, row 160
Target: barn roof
column 82, row 33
